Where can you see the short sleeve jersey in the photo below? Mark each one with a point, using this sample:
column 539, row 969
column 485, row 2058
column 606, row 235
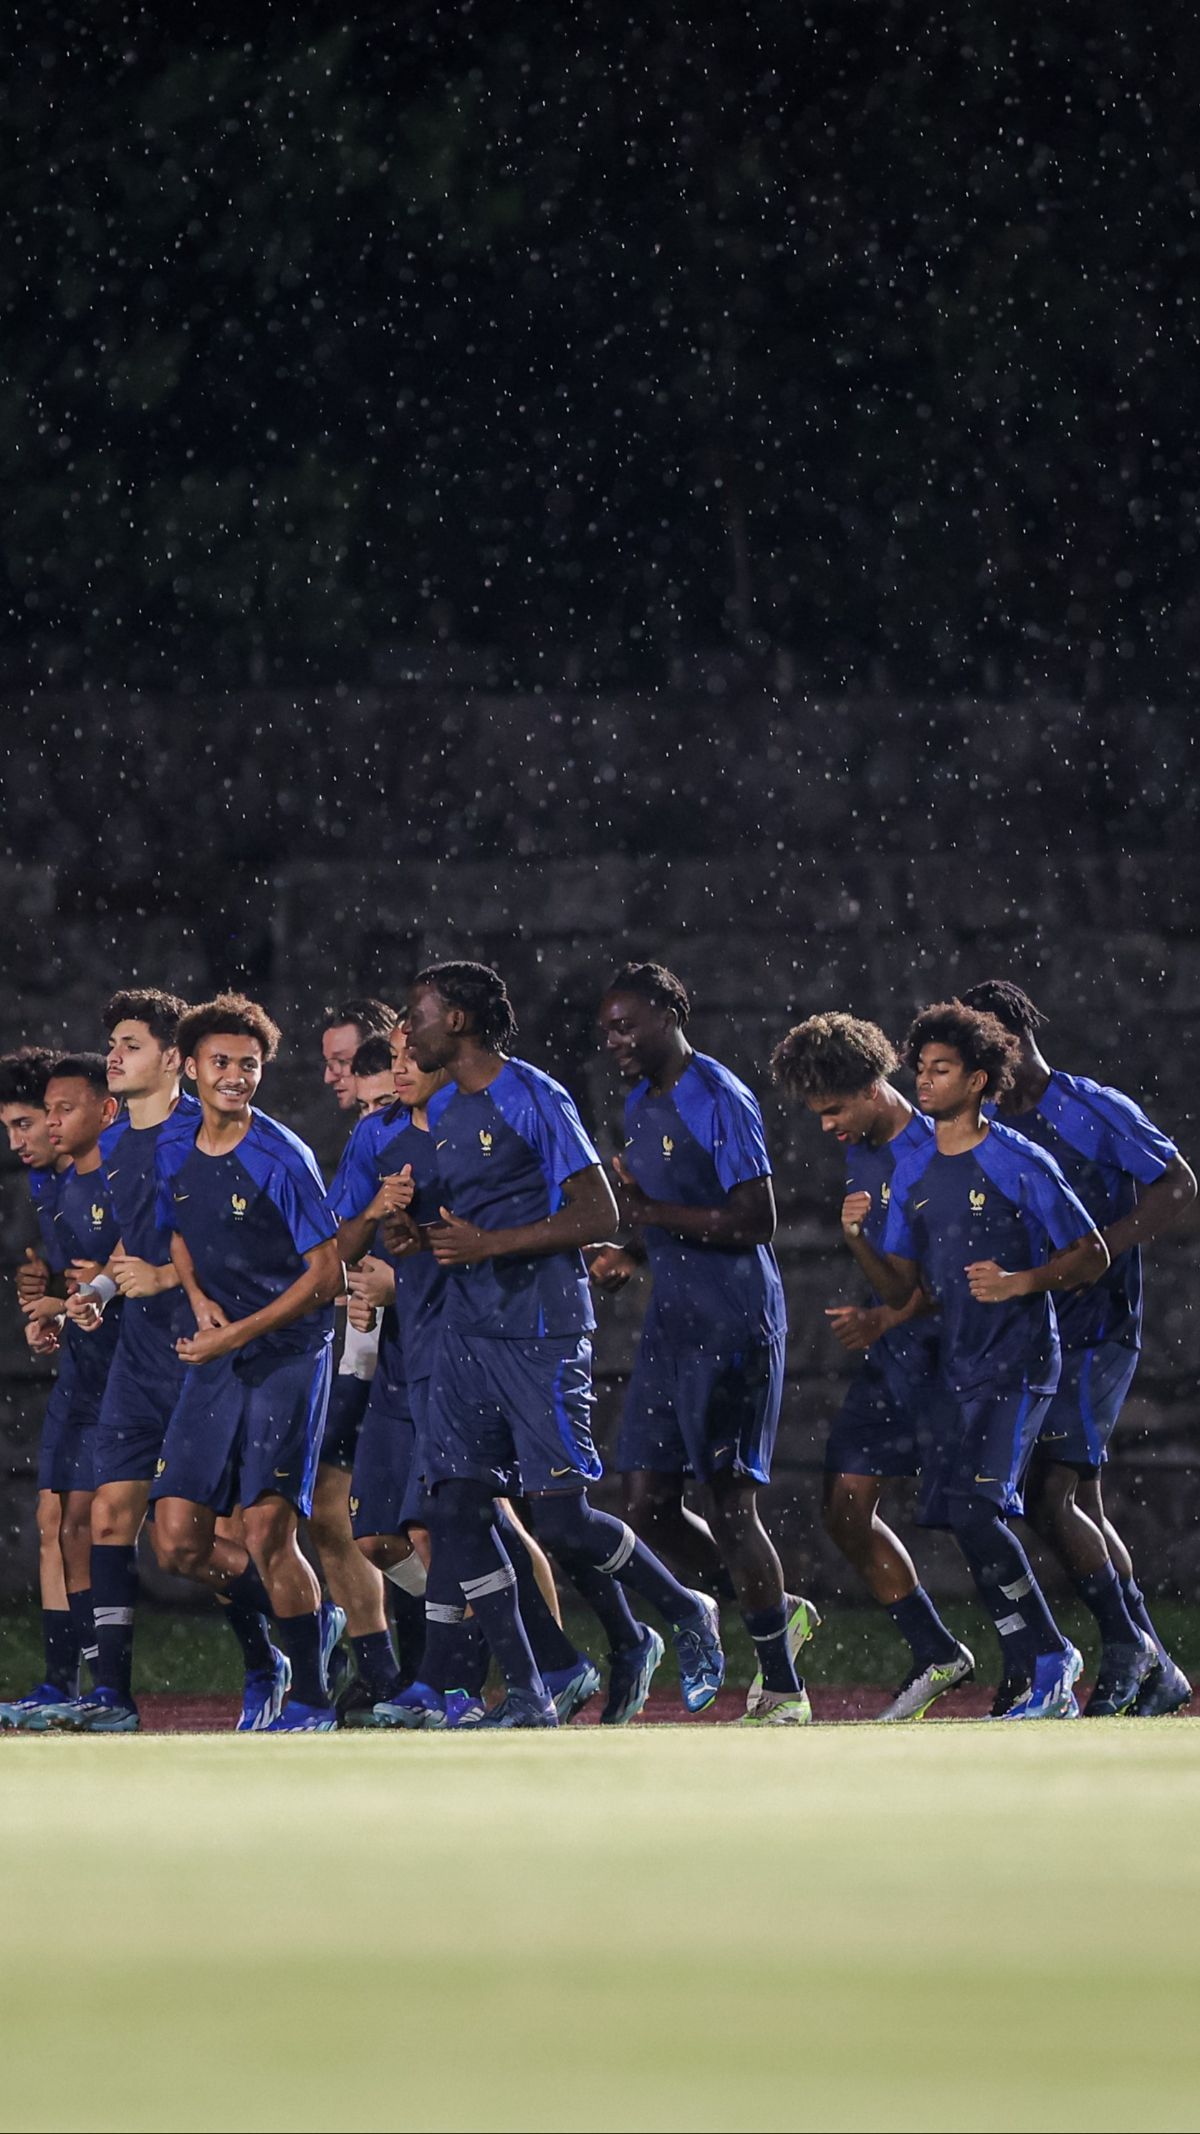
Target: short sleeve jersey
column 86, row 1228
column 380, row 1146
column 1106, row 1148
column 872, row 1170
column 503, row 1156
column 129, row 1154
column 44, row 1189
column 1004, row 1200
column 247, row 1220
column 691, row 1146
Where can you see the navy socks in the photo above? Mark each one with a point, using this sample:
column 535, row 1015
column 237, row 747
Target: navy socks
column 1101, row 1592
column 376, row 1664
column 84, row 1621
column 594, row 1550
column 114, row 1593
column 923, row 1630
column 247, row 1609
column 473, row 1553
column 60, row 1641
column 1135, row 1602
column 1006, row 1584
column 299, row 1637
column 548, row 1642
column 768, row 1628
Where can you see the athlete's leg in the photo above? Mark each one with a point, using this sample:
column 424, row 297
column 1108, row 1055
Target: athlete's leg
column 1079, row 1541
column 273, row 1539
column 59, row 1636
column 538, row 1559
column 654, row 1507
column 852, row 1522
column 354, row 1582
column 118, row 1510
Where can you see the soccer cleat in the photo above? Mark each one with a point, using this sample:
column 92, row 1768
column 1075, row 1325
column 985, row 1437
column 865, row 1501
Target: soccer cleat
column 630, row 1673
column 99, row 1712
column 333, row 1623
column 24, row 1713
column 1123, row 1669
column 803, row 1622
column 1050, row 1695
column 777, row 1707
column 415, row 1707
column 1165, row 1689
column 520, row 1708
column 263, row 1695
column 462, row 1709
column 297, row 1718
column 924, row 1685
column 572, row 1687
column 1011, row 1689
column 701, row 1660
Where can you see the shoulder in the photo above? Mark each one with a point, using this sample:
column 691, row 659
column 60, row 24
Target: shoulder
column 1106, row 1105
column 523, row 1086
column 912, row 1164
column 1013, row 1154
column 718, row 1081
column 268, row 1138
column 113, row 1135
column 636, row 1097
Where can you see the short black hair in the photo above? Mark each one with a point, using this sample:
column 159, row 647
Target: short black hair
column 24, row 1075
column 232, row 1013
column 480, row 992
column 371, row 1018
column 162, row 1013
column 83, row 1067
column 653, row 981
column 1008, row 1003
column 832, row 1055
column 982, row 1043
column 374, row 1056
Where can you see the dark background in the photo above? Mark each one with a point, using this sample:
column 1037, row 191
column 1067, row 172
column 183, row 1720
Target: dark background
column 553, row 484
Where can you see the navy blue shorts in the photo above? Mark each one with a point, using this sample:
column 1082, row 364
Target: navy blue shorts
column 238, row 1434
column 54, row 1422
column 144, row 1382
column 886, row 1421
column 71, row 1464
column 514, row 1414
column 348, row 1397
column 1083, row 1413
column 703, row 1411
column 386, row 1491
column 983, row 1452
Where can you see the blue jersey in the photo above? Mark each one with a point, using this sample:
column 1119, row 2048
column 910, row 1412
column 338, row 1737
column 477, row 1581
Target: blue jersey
column 129, row 1154
column 872, row 1170
column 503, row 1156
column 691, row 1147
column 1106, row 1148
column 86, row 1228
column 1004, row 1200
column 381, row 1145
column 44, row 1190
column 247, row 1220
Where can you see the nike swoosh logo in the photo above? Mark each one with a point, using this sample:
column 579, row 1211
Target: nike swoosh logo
column 440, row 1144
column 283, row 1473
column 919, row 1204
column 557, row 1473
column 179, row 1198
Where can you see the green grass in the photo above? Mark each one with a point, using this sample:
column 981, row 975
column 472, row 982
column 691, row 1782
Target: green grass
column 951, row 1926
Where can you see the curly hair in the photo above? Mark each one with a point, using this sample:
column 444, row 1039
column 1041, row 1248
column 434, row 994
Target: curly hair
column 480, row 992
column 832, row 1055
column 162, row 1013
column 232, row 1015
column 1006, row 1001
column 24, row 1075
column 980, row 1040
column 653, row 981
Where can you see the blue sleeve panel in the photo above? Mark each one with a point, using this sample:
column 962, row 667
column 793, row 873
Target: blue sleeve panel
column 725, row 1119
column 356, row 1180
column 286, row 1169
column 1031, row 1179
column 1107, row 1127
column 44, row 1192
column 897, row 1235
column 170, row 1155
column 541, row 1112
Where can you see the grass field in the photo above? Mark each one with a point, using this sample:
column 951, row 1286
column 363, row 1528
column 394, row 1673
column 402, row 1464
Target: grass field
column 949, row 1926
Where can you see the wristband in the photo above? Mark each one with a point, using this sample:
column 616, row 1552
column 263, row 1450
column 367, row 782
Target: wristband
column 103, row 1289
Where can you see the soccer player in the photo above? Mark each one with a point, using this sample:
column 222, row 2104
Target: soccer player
column 344, row 1029
column 841, row 1068
column 372, row 1070
column 23, row 1078
column 510, row 1393
column 254, row 1244
column 1134, row 1184
column 78, row 1109
column 988, row 1225
column 706, row 1390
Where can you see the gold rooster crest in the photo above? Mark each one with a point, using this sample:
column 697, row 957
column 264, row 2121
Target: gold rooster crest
column 238, row 1204
column 485, row 1141
column 977, row 1200
column 885, row 1193
column 97, row 1215
column 668, row 1147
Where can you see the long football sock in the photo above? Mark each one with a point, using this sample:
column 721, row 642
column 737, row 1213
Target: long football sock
column 551, row 1647
column 84, row 1619
column 114, row 1593
column 923, row 1630
column 1006, row 1585
column 60, row 1640
column 594, row 1550
column 477, row 1558
column 376, row 1664
column 455, row 1654
column 246, row 1611
column 768, row 1628
column 1135, row 1602
column 1101, row 1592
column 299, row 1636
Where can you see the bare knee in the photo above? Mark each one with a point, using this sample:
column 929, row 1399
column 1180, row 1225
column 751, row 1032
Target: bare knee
column 849, row 1506
column 647, row 1496
column 270, row 1530
column 181, row 1546
column 383, row 1550
column 49, row 1519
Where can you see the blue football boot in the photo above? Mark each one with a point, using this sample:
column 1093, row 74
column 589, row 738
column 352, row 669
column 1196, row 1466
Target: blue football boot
column 418, row 1706
column 462, row 1709
column 1051, row 1694
column 297, row 1718
column 701, row 1660
column 263, row 1695
column 101, row 1711
column 572, row 1687
column 24, row 1712
column 521, row 1707
column 1165, row 1689
column 334, row 1669
column 630, row 1673
column 1122, row 1672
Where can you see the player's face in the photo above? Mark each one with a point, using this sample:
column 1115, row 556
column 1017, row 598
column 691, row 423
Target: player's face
column 432, row 1029
column 637, row 1034
column 76, row 1115
column 137, row 1064
column 28, row 1135
column 945, row 1086
column 226, row 1069
column 338, row 1047
column 848, row 1118
column 374, row 1092
column 409, row 1085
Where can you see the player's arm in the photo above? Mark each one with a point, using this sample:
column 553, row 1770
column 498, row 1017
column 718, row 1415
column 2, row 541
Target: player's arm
column 859, row 1326
column 1159, row 1207
column 356, row 1232
column 1074, row 1267
column 745, row 1218
column 894, row 1278
column 320, row 1283
column 588, row 1213
column 205, row 1313
column 33, row 1277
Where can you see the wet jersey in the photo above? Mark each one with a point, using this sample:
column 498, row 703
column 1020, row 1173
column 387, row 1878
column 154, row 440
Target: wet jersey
column 44, row 1189
column 129, row 1156
column 86, row 1228
column 247, row 1220
column 380, row 1145
column 1003, row 1200
column 691, row 1147
column 872, row 1170
column 503, row 1156
column 1106, row 1148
